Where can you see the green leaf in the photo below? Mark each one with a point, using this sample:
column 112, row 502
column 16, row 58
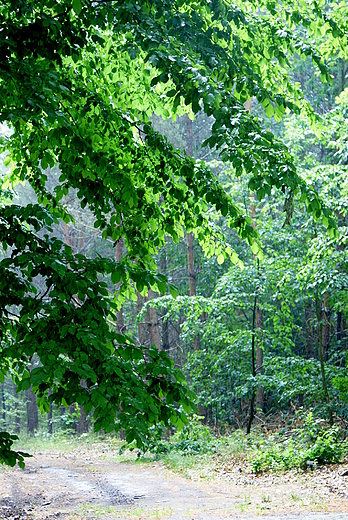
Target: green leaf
column 220, row 259
column 77, row 6
column 269, row 111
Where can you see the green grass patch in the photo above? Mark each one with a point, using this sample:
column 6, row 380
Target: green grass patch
column 90, row 511
column 66, row 442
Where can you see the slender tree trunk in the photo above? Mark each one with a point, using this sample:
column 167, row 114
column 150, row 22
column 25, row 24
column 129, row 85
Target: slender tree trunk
column 119, row 314
column 258, row 325
column 17, row 419
column 189, row 236
column 68, row 236
column 344, row 333
column 165, row 323
column 339, row 337
column 142, row 332
column 192, row 278
column 321, row 358
column 326, row 326
column 82, row 423
column 191, row 264
column 339, row 326
column 17, row 410
column 62, row 411
column 3, row 404
column 72, row 411
column 76, row 240
column 309, row 336
column 32, row 412
column 49, row 416
column 259, row 401
column 253, row 368
column 153, row 324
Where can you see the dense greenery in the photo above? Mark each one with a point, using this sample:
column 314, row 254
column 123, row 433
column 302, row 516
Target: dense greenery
column 80, row 84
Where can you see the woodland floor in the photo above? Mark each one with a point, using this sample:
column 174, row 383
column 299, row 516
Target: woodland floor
column 92, row 482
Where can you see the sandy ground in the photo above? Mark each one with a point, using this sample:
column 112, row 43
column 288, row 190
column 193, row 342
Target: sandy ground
column 90, row 485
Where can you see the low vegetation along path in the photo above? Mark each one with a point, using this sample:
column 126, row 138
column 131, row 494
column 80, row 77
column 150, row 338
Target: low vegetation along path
column 96, row 483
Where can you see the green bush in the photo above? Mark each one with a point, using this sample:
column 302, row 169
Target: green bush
column 277, row 457
column 194, row 438
column 312, row 443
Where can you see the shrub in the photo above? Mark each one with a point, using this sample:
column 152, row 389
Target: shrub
column 194, row 438
column 310, row 443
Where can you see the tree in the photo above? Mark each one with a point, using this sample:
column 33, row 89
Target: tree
column 78, row 82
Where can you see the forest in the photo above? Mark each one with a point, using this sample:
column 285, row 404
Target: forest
column 173, row 221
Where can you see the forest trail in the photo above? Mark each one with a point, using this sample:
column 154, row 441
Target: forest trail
column 90, row 485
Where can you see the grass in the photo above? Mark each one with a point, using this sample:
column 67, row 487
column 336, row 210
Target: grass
column 116, row 512
column 67, row 442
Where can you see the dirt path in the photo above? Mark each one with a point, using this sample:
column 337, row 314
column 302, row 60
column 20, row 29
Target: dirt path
column 86, row 486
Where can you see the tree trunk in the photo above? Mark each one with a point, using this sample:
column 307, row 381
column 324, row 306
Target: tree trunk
column 62, row 411
column 49, row 416
column 82, row 424
column 191, row 264
column 253, row 369
column 189, row 236
column 153, row 324
column 142, row 329
column 72, row 411
column 309, row 336
column 165, row 323
column 3, row 405
column 344, row 333
column 17, row 410
column 76, row 241
column 341, row 335
column 32, row 412
column 325, row 318
column 119, row 314
column 321, row 357
column 259, row 400
column 192, row 278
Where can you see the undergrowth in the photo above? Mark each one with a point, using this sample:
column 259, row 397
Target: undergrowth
column 197, row 449
column 304, row 447
column 195, row 438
